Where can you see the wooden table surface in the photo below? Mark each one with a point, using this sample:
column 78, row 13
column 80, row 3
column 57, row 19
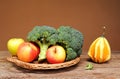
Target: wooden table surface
column 109, row 70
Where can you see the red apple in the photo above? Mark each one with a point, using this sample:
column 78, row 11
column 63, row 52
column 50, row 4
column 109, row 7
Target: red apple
column 56, row 54
column 27, row 52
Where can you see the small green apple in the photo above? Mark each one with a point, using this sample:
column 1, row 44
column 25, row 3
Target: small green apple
column 13, row 45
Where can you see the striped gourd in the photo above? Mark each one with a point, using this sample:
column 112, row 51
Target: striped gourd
column 100, row 50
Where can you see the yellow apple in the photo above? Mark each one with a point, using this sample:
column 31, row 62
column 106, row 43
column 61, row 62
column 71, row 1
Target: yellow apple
column 13, row 45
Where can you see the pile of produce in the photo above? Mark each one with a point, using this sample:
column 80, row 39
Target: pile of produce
column 47, row 43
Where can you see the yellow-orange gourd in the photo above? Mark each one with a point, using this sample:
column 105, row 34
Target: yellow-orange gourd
column 99, row 50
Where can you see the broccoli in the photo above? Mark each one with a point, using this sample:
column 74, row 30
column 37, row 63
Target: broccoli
column 66, row 36
column 71, row 54
column 72, row 40
column 44, row 36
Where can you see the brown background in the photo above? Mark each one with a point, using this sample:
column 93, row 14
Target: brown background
column 18, row 17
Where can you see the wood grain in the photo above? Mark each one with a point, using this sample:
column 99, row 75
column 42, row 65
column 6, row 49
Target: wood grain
column 108, row 70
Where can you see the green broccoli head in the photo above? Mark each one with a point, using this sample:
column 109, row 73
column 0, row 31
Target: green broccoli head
column 69, row 37
column 70, row 54
column 79, row 52
column 41, row 33
column 44, row 36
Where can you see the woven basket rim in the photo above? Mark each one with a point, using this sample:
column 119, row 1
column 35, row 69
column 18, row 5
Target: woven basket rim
column 42, row 66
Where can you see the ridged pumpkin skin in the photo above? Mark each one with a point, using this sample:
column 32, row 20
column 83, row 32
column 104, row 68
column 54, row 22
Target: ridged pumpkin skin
column 99, row 50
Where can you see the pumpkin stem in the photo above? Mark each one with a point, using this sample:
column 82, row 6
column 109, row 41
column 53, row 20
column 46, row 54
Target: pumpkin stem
column 104, row 28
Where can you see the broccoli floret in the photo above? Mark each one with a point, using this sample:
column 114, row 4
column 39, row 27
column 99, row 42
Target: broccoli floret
column 79, row 52
column 69, row 37
column 44, row 36
column 71, row 54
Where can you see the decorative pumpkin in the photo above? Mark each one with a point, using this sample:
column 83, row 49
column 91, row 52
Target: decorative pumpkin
column 99, row 50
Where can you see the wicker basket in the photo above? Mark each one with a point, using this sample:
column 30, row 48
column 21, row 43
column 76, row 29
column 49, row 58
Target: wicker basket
column 42, row 66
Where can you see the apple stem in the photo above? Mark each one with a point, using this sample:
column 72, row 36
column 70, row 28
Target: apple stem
column 55, row 50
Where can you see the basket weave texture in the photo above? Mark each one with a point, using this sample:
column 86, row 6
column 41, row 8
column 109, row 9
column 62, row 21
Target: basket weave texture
column 42, row 66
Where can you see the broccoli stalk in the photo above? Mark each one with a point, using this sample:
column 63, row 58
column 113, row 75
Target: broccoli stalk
column 43, row 48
